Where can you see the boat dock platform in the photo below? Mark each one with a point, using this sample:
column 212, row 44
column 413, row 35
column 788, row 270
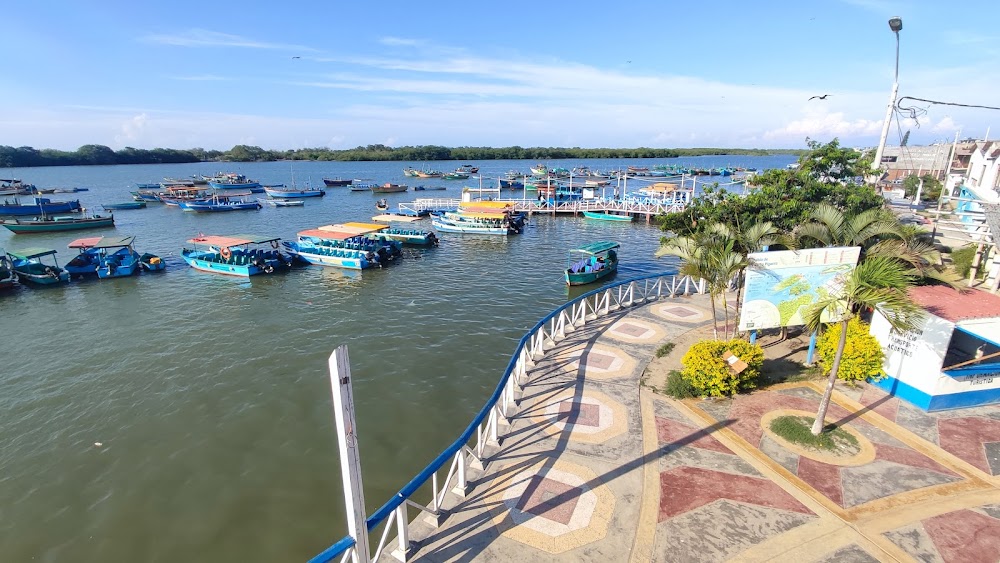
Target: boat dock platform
column 646, row 208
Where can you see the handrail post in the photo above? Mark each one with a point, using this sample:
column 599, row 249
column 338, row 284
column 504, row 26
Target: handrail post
column 350, row 457
column 403, row 537
column 462, row 487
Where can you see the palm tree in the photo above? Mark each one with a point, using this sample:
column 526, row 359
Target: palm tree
column 705, row 256
column 831, row 227
column 753, row 237
column 879, row 283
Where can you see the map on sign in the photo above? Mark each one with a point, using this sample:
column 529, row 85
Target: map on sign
column 781, row 285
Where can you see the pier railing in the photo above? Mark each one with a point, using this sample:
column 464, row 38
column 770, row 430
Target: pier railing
column 470, row 448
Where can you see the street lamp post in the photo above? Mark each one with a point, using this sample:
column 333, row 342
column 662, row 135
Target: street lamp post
column 896, row 25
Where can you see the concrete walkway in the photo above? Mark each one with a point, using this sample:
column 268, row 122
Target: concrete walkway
column 596, row 468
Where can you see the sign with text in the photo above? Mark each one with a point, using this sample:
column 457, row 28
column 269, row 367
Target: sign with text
column 781, row 285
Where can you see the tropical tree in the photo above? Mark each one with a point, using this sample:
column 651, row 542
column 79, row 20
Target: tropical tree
column 703, row 256
column 879, row 283
column 832, row 227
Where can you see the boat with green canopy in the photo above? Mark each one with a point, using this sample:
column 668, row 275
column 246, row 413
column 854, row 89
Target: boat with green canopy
column 592, row 262
column 31, row 268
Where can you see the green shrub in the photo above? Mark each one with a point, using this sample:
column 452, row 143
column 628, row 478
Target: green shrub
column 710, row 375
column 961, row 259
column 665, row 349
column 862, row 357
column 678, row 387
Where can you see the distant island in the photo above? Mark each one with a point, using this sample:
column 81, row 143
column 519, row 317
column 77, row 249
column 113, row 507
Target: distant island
column 18, row 157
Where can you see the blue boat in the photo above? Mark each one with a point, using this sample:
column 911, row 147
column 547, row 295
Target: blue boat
column 240, row 255
column 220, row 203
column 341, row 246
column 40, row 206
column 30, row 268
column 233, row 182
column 105, row 257
column 291, row 193
column 151, row 263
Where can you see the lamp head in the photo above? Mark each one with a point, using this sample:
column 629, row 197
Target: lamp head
column 896, row 24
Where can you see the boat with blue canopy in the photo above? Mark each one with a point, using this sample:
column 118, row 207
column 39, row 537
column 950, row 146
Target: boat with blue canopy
column 30, row 266
column 592, row 262
column 219, row 203
column 105, row 257
column 39, row 206
column 238, row 255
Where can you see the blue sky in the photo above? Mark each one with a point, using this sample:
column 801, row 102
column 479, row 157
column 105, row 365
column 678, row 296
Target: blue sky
column 336, row 74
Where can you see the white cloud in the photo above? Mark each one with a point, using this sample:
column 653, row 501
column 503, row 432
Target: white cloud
column 824, row 126
column 400, row 41
column 132, row 129
column 206, row 38
column 946, row 125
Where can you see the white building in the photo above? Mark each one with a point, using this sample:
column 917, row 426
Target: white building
column 947, row 362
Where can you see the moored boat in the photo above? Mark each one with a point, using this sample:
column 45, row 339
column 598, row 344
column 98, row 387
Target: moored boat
column 47, row 224
column 105, row 257
column 283, row 202
column 38, row 206
column 362, row 187
column 606, row 216
column 389, row 188
column 232, row 181
column 337, row 182
column 151, row 263
column 344, row 246
column 240, row 255
column 7, row 275
column 456, row 176
column 220, row 203
column 30, row 269
column 481, row 218
column 598, row 261
column 293, row 192
column 124, row 205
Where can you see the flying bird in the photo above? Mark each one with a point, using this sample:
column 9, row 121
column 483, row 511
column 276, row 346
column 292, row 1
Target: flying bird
column 823, row 97
column 296, row 57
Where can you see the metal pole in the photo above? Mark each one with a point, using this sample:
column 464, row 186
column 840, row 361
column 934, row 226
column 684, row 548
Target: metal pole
column 812, row 349
column 888, row 112
column 350, row 457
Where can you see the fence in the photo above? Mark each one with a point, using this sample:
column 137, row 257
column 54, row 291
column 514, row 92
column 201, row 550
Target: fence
column 484, row 430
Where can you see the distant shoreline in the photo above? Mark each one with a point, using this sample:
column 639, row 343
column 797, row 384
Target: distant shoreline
column 97, row 155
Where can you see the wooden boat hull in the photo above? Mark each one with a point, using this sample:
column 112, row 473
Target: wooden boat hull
column 236, row 266
column 234, row 186
column 469, row 228
column 607, row 217
column 202, row 207
column 583, row 278
column 389, row 189
column 336, row 182
column 20, row 226
column 410, row 237
column 42, row 206
column 40, row 274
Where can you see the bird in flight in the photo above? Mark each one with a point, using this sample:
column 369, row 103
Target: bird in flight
column 296, row 57
column 823, row 97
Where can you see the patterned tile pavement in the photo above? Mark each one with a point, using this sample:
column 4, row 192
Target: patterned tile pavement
column 595, row 468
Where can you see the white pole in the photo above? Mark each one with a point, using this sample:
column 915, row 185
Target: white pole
column 350, row 457
column 877, row 163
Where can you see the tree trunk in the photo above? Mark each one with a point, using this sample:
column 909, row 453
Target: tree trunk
column 725, row 311
column 715, row 321
column 824, row 403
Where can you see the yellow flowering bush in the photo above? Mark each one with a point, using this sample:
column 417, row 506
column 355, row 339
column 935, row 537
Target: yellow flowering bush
column 710, row 375
column 862, row 354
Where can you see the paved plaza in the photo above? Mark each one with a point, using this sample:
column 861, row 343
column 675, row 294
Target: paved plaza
column 597, row 467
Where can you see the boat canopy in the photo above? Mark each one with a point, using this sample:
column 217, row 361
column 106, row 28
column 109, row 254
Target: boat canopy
column 482, row 215
column 88, row 242
column 489, row 205
column 388, row 218
column 326, row 234
column 114, row 242
column 354, row 227
column 235, row 240
column 597, row 247
column 29, row 253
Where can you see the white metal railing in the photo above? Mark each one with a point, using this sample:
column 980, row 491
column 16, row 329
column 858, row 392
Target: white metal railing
column 469, row 450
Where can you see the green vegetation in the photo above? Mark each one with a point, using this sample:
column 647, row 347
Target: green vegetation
column 862, row 357
column 711, row 375
column 795, row 429
column 785, row 198
column 100, row 154
column 664, row 349
column 931, row 190
column 961, row 259
column 678, row 387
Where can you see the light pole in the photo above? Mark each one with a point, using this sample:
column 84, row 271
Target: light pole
column 896, row 25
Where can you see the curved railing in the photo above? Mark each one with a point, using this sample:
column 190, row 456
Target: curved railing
column 499, row 407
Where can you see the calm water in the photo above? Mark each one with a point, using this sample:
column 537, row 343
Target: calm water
column 211, row 395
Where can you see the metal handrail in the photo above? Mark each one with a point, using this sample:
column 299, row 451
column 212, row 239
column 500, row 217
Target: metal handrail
column 530, row 347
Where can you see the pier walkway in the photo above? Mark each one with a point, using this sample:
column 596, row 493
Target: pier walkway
column 596, row 467
column 643, row 208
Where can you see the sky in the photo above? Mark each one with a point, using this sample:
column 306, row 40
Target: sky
column 290, row 75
